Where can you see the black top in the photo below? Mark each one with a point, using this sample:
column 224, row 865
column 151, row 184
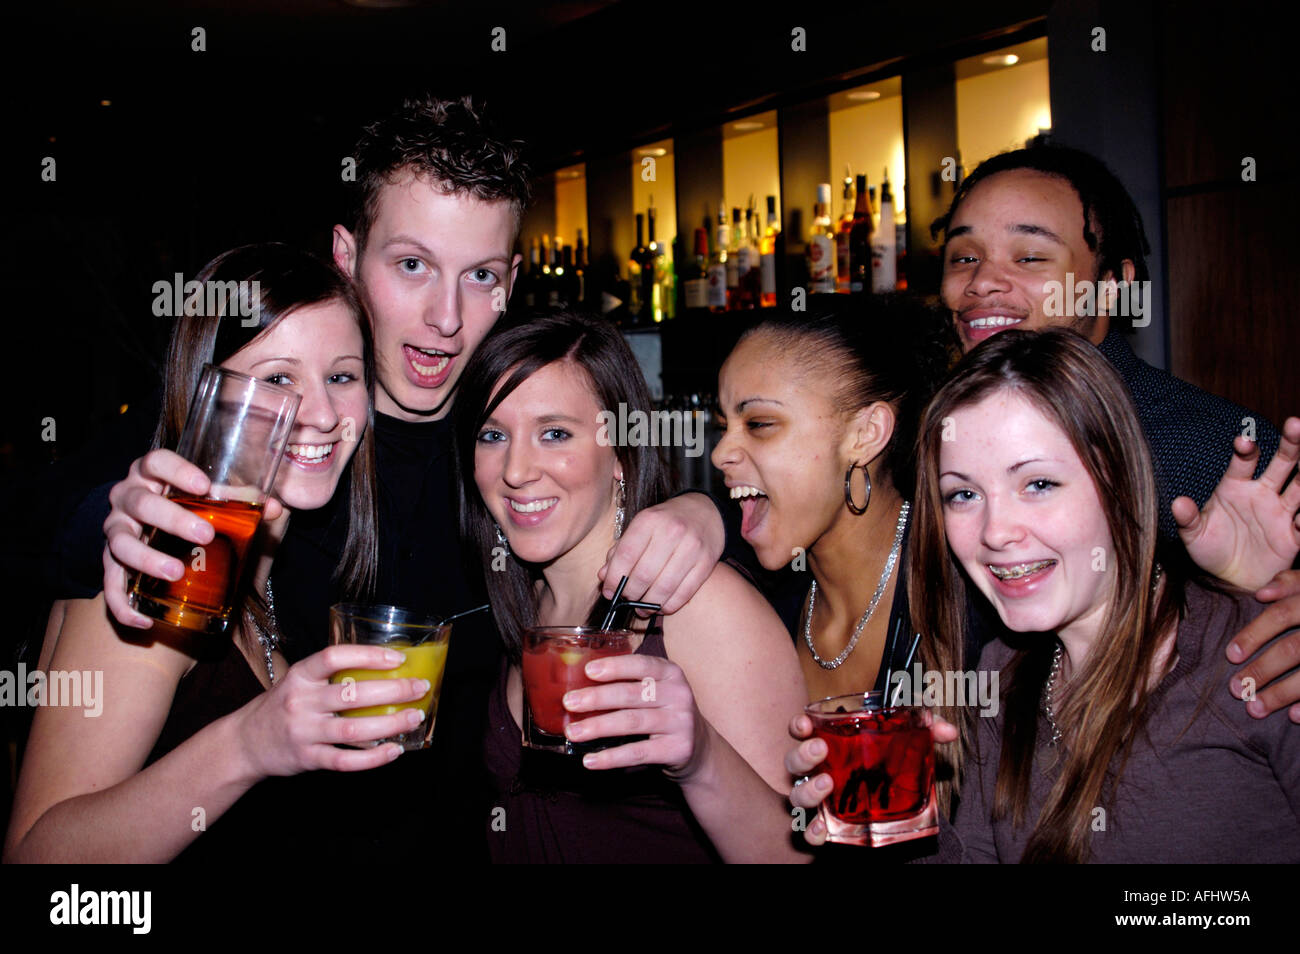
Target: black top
column 549, row 809
column 427, row 801
column 1190, row 431
column 417, row 799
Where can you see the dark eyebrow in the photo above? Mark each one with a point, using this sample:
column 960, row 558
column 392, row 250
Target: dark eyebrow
column 1025, row 228
column 544, row 419
column 740, row 407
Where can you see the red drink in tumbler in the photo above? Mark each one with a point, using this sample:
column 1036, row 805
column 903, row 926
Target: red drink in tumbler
column 553, row 663
column 881, row 761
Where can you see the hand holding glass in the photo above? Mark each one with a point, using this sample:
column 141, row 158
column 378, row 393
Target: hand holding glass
column 554, row 662
column 881, row 763
column 422, row 639
column 236, row 433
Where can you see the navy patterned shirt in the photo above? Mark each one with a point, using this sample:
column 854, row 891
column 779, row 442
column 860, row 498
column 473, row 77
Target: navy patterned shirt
column 1190, row 431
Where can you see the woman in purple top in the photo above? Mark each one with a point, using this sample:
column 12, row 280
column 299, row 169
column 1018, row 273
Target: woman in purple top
column 1116, row 739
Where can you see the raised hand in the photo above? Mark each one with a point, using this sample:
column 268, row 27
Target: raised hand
column 140, row 501
column 1249, row 530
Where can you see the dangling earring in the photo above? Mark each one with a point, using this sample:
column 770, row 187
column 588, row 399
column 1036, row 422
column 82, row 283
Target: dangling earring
column 848, row 490
column 501, row 537
column 618, row 512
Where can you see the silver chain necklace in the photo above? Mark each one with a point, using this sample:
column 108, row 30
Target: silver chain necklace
column 871, row 608
column 1047, row 694
column 270, row 641
column 1056, row 669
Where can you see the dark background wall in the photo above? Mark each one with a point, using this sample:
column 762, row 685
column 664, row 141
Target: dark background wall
column 199, row 151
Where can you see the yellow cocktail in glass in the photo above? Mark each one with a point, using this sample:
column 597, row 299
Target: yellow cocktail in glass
column 421, row 639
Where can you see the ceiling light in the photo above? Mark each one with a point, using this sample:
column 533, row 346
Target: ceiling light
column 864, row 94
column 1002, row 59
column 747, row 125
column 658, row 151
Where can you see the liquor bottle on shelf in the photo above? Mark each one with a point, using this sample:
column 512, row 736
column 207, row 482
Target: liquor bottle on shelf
column 526, row 291
column 845, row 225
column 734, row 243
column 580, row 272
column 665, row 290
column 652, row 272
column 555, row 290
column 695, row 273
column 860, row 242
column 875, row 208
column 821, row 245
column 568, row 291
column 718, row 264
column 769, row 252
column 749, row 262
column 884, row 264
column 900, row 221
column 638, row 303
column 543, row 293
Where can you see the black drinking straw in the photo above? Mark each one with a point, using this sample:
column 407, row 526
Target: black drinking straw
column 916, row 641
column 889, row 664
column 613, row 606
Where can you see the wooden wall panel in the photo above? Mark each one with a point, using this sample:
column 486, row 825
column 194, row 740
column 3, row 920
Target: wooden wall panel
column 1233, row 295
column 1234, row 287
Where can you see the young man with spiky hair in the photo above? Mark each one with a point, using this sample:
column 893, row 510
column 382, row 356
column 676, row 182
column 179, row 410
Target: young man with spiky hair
column 438, row 205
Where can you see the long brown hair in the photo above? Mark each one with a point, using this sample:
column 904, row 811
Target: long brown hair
column 212, row 330
column 509, row 356
column 1105, row 707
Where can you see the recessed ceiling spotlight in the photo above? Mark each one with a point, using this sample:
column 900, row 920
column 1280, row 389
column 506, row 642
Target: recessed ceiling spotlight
column 864, row 94
column 1002, row 59
column 747, row 125
column 657, row 151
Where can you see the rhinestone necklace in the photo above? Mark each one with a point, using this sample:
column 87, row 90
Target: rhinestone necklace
column 871, row 608
column 269, row 640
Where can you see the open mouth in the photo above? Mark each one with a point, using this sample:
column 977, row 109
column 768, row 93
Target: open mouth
column 1019, row 573
column 428, row 365
column 754, row 505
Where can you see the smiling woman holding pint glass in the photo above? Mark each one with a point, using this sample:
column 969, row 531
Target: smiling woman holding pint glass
column 197, row 713
column 1116, row 739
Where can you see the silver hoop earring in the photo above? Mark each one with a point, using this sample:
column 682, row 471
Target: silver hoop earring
column 848, row 490
column 619, row 512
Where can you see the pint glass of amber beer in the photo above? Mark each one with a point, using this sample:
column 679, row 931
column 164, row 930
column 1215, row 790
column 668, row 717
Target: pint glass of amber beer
column 236, row 432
